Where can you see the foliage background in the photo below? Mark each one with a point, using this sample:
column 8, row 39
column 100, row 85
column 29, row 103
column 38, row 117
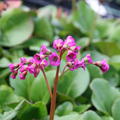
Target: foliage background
column 82, row 95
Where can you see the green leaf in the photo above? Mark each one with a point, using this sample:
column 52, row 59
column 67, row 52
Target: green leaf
column 33, row 89
column 47, row 11
column 91, row 115
column 116, row 109
column 95, row 72
column 108, row 48
column 82, row 108
column 84, row 17
column 114, row 33
column 103, row 95
column 112, row 76
column 102, row 27
column 83, row 42
column 14, row 32
column 32, row 111
column 11, row 114
column 64, row 109
column 43, row 29
column 74, row 83
column 7, row 96
column 73, row 116
column 115, row 61
column 107, row 118
column 4, row 62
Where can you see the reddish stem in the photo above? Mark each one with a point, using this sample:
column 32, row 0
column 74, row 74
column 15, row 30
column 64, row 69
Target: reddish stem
column 53, row 100
column 47, row 83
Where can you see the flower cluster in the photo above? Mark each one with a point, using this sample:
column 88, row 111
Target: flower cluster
column 46, row 57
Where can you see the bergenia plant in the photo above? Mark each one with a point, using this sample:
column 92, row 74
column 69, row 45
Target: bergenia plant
column 46, row 57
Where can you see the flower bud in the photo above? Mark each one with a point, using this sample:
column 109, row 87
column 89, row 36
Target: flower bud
column 58, row 44
column 14, row 74
column 23, row 75
column 54, row 59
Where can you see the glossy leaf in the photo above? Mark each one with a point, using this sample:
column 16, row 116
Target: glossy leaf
column 33, row 88
column 64, row 109
column 84, row 17
column 32, row 111
column 74, row 83
column 91, row 115
column 12, row 34
column 43, row 29
column 7, row 96
column 116, row 109
column 103, row 95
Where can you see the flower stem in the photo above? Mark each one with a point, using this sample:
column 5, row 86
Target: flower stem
column 47, row 83
column 53, row 100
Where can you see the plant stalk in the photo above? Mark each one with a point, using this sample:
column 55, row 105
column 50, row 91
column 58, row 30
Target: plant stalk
column 53, row 100
column 47, row 83
column 54, row 95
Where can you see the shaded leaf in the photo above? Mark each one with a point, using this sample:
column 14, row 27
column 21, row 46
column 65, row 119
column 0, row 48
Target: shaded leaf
column 74, row 83
column 103, row 95
column 116, row 109
column 64, row 109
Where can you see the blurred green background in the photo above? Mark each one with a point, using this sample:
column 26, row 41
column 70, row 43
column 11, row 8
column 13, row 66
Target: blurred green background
column 82, row 95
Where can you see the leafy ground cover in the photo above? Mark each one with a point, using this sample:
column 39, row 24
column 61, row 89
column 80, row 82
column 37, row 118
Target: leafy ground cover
column 81, row 95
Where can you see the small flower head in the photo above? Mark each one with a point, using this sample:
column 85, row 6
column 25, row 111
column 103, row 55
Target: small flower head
column 37, row 70
column 38, row 57
column 88, row 59
column 102, row 65
column 75, row 48
column 14, row 74
column 44, row 63
column 23, row 60
column 58, row 44
column 71, row 56
column 23, row 68
column 23, row 75
column 12, row 67
column 44, row 50
column 69, row 42
column 54, row 59
column 76, row 64
column 31, row 61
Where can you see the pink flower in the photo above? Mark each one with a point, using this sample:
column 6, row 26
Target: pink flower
column 23, row 75
column 12, row 67
column 23, row 68
column 54, row 59
column 75, row 49
column 23, row 60
column 44, row 50
column 69, row 42
column 77, row 64
column 31, row 69
column 102, row 65
column 31, row 61
column 14, row 74
column 58, row 44
column 37, row 70
column 71, row 56
column 88, row 59
column 38, row 57
column 44, row 63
